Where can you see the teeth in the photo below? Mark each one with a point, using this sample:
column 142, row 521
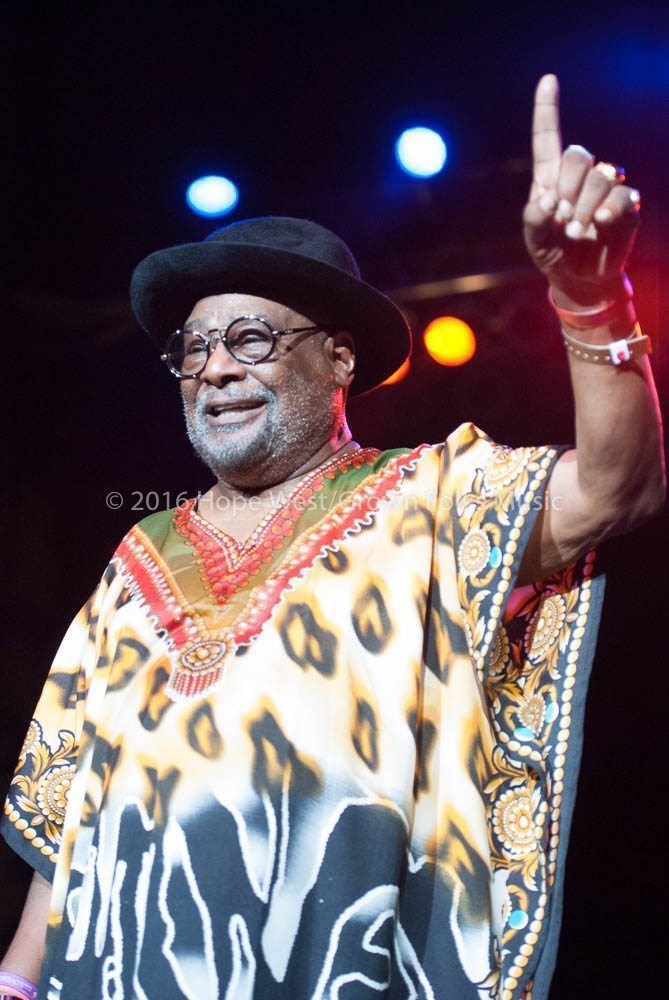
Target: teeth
column 223, row 409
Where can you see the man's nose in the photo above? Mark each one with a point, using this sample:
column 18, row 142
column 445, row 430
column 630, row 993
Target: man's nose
column 221, row 365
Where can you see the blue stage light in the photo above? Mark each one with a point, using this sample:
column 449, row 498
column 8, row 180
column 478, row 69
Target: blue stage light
column 212, row 195
column 421, row 152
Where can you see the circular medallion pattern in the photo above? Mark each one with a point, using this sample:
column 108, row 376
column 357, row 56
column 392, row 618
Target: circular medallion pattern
column 513, row 821
column 203, row 655
column 32, row 739
column 545, row 626
column 499, row 651
column 474, row 551
column 503, row 466
column 53, row 791
column 532, row 713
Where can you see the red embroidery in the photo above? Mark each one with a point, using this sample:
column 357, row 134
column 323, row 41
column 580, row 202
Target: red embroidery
column 148, row 581
column 203, row 652
column 225, row 565
column 344, row 519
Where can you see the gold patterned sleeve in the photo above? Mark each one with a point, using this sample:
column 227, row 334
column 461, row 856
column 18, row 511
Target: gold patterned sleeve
column 532, row 649
column 37, row 798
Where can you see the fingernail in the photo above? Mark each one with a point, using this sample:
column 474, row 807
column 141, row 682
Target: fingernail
column 635, row 197
column 565, row 209
column 590, row 233
column 579, row 149
column 548, row 201
column 603, row 215
column 574, row 229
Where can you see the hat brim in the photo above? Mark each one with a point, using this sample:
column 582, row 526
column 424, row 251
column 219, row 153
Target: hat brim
column 166, row 285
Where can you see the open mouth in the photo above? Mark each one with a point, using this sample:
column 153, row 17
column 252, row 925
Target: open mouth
column 227, row 413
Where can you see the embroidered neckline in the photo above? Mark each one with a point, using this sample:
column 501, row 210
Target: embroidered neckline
column 226, row 565
column 202, row 652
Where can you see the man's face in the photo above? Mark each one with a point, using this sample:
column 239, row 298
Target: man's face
column 275, row 414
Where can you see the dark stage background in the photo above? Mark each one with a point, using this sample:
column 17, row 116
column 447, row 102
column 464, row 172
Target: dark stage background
column 110, row 111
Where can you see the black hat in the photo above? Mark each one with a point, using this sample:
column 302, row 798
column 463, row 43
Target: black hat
column 293, row 261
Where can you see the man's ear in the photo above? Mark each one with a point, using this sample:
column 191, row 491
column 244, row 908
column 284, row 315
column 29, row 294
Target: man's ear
column 341, row 349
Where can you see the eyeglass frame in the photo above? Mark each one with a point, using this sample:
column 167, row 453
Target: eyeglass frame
column 223, row 338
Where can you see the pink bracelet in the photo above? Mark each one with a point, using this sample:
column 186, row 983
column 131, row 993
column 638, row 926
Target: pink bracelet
column 17, row 986
column 587, row 319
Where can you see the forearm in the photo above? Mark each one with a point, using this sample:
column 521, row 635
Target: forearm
column 619, row 439
column 26, row 952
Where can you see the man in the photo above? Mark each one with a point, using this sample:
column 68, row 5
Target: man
column 316, row 733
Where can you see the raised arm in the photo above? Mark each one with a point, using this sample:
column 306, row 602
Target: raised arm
column 579, row 225
column 26, row 952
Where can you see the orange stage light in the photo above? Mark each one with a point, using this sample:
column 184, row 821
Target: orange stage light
column 398, row 374
column 449, row 340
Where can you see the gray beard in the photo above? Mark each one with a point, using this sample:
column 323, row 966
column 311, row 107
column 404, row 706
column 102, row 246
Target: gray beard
column 272, row 448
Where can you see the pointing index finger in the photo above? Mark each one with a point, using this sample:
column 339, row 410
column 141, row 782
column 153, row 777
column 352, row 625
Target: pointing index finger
column 546, row 138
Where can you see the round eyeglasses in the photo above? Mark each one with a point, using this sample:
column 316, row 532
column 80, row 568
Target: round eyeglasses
column 249, row 339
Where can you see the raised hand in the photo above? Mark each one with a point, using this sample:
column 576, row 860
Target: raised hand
column 580, row 220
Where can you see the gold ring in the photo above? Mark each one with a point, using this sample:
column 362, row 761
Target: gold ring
column 613, row 174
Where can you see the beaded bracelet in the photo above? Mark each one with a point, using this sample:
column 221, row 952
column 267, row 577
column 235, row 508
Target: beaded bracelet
column 614, row 353
column 13, row 985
